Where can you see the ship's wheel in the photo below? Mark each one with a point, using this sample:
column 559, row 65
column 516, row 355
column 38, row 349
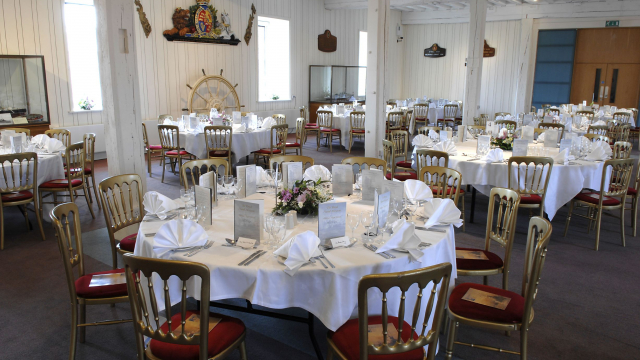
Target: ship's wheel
column 213, row 91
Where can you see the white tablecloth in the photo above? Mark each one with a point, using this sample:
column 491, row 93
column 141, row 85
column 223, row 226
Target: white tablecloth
column 330, row 294
column 565, row 181
column 242, row 144
column 50, row 167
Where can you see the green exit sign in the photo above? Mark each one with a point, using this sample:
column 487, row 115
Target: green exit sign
column 610, row 23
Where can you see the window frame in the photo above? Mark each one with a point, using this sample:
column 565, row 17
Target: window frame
column 257, row 62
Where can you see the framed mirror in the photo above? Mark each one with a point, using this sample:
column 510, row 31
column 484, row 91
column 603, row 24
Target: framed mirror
column 23, row 91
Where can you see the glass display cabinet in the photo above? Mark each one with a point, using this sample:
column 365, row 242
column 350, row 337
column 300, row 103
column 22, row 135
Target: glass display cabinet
column 335, row 84
column 23, row 93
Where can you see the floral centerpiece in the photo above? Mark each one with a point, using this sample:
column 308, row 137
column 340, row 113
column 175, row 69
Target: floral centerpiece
column 86, row 104
column 304, row 198
column 504, row 139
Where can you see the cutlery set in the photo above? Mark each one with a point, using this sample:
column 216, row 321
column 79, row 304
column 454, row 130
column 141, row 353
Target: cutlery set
column 252, row 257
column 207, row 245
column 384, row 254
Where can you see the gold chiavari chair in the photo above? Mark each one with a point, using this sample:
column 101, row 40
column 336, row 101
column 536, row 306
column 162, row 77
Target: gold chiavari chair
column 461, row 111
column 277, row 160
column 537, row 132
column 356, row 119
column 389, row 156
column 552, row 112
column 622, row 149
column 619, row 132
column 484, row 118
column 420, row 112
column 19, row 130
column 507, row 124
column 218, row 140
column 150, row 149
column 424, row 130
column 408, row 119
column 476, row 130
column 366, row 163
column 326, row 129
column 169, row 338
column 611, row 198
column 598, row 129
column 278, row 141
column 66, row 221
column 559, row 127
column 597, row 137
column 622, row 117
column 20, row 174
column 392, row 103
column 445, row 183
column 501, row 114
column 309, row 127
column 73, row 181
column 304, row 112
column 201, row 167
column 426, row 157
column 518, row 314
column 279, row 118
column 121, row 197
column 89, row 140
column 163, row 117
column 297, row 145
column 395, row 121
column 634, row 193
column 351, row 340
column 501, row 225
column 634, row 133
column 449, row 117
column 61, row 134
column 530, row 178
column 170, row 142
column 400, row 139
column 589, row 114
column 479, row 121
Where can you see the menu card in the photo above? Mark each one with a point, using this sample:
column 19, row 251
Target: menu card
column 565, row 144
column 247, row 219
column 237, row 117
column 193, row 123
column 568, row 123
column 209, row 180
column 204, row 197
column 291, row 172
column 520, row 147
column 551, row 138
column 527, row 133
column 444, row 135
column 486, row 298
column 382, row 207
column 247, row 176
column 107, row 279
column 332, row 221
column 6, row 137
column 396, row 188
column 342, row 180
column 527, row 119
column 371, row 180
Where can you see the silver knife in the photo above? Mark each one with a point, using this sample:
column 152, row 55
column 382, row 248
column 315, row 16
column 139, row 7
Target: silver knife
column 381, row 254
column 430, row 229
column 249, row 258
column 322, row 252
column 255, row 257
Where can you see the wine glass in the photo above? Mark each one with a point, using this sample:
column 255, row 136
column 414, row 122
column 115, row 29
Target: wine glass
column 237, row 187
column 228, row 183
column 277, row 181
column 268, row 224
column 279, row 232
column 367, row 219
column 359, row 185
column 411, row 205
column 353, row 220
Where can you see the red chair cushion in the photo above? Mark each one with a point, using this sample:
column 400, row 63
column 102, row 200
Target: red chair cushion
column 87, row 171
column 60, row 183
column 530, row 199
column 19, row 196
column 630, row 191
column 219, row 153
column 357, row 131
column 310, row 126
column 593, row 198
column 175, row 153
column 293, row 144
column 84, row 290
column 155, row 147
column 403, row 176
column 512, row 314
column 494, row 261
column 267, row 151
column 347, row 340
column 128, row 243
column 225, row 333
column 404, row 164
column 329, row 130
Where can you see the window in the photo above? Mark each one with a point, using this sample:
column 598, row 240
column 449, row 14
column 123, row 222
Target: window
column 82, row 45
column 362, row 61
column 273, row 59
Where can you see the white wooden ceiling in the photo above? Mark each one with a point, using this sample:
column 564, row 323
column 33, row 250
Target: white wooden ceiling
column 436, row 5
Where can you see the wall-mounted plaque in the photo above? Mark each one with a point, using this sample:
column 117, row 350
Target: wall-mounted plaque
column 327, row 42
column 488, row 50
column 435, row 51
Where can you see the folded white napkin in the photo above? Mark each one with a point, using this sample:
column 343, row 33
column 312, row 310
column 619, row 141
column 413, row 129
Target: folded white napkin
column 403, row 238
column 422, row 141
column 178, row 234
column 158, row 204
column 600, row 122
column 239, row 128
column 447, row 146
column 606, row 148
column 40, row 140
column 601, row 113
column 416, row 189
column 169, row 122
column 500, row 117
column 298, row 251
column 597, row 154
column 441, row 212
column 316, row 172
column 541, row 137
column 494, row 155
column 563, row 157
column 268, row 123
column 207, row 180
column 54, row 145
column 261, row 177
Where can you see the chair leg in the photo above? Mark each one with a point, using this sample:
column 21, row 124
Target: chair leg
column 83, row 319
column 485, row 280
column 149, row 162
column 350, row 141
column 74, row 332
column 95, row 191
column 2, row 227
column 243, row 351
column 622, row 224
column 329, row 353
column 523, row 344
column 38, row 219
column 598, row 219
column 318, row 141
column 84, row 186
column 85, row 180
column 26, row 217
column 164, row 165
column 451, row 338
column 566, row 226
column 634, row 214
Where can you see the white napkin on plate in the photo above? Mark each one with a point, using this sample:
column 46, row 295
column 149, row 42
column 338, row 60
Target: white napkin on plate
column 494, row 155
column 316, row 172
column 298, row 251
column 563, row 157
column 158, row 204
column 54, row 145
column 441, row 212
column 600, row 113
column 40, row 140
column 447, row 146
column 416, row 189
column 239, row 128
column 597, row 154
column 261, row 177
column 422, row 141
column 268, row 123
column 178, row 234
column 403, row 238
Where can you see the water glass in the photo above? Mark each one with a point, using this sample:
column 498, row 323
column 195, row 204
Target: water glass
column 279, row 231
column 411, row 206
column 353, row 220
column 367, row 219
column 277, row 181
column 268, row 225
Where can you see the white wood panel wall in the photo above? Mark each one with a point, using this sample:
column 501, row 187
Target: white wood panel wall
column 445, row 77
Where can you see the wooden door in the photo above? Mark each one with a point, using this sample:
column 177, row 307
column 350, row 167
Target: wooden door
column 622, row 85
column 588, row 83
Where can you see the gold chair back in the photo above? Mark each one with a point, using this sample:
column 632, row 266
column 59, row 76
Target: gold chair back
column 507, row 124
column 426, row 157
column 538, row 237
column 393, row 103
column 622, row 149
column 218, row 140
column 325, row 119
column 501, row 222
column 484, row 118
column 279, row 135
column 19, row 130
column 300, row 132
column 589, row 114
column 479, row 121
column 169, row 137
column 428, row 280
column 420, row 112
column 61, row 134
column 388, row 155
column 75, row 163
column 201, row 167
column 279, row 118
column 356, row 119
column 366, row 163
column 476, row 130
column 400, row 139
column 530, row 176
column 598, row 129
column 145, row 137
column 89, row 140
column 66, row 222
column 444, row 182
column 619, row 132
column 163, row 117
column 20, row 173
column 408, row 117
column 559, row 127
column 622, row 116
column 450, row 111
column 277, row 160
column 597, row 137
column 395, row 121
column 146, row 318
column 304, row 113
column 424, row 130
column 621, row 171
column 552, row 112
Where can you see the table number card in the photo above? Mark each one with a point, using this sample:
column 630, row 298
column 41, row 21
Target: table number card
column 520, row 147
column 382, row 208
column 371, row 180
column 551, row 138
column 332, row 221
column 444, row 135
column 291, row 172
column 527, row 133
column 247, row 176
column 247, row 219
column 565, row 144
column 204, row 197
column 527, row 119
column 489, row 127
column 396, row 188
column 342, row 180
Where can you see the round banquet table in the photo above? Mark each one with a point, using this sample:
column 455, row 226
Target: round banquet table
column 242, row 144
column 565, row 181
column 330, row 294
column 50, row 167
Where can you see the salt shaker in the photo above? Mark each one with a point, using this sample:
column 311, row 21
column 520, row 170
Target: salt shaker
column 294, row 215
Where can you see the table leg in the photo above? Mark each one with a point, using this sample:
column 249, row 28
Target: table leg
column 473, row 203
column 246, row 159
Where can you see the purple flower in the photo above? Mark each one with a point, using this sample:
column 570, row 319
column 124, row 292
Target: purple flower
column 296, row 190
column 286, row 195
column 302, row 198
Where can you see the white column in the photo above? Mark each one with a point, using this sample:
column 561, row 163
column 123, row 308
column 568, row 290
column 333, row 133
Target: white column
column 379, row 17
column 523, row 102
column 477, row 21
column 120, row 89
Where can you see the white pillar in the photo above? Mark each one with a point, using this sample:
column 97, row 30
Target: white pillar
column 378, row 18
column 477, row 21
column 120, row 89
column 523, row 102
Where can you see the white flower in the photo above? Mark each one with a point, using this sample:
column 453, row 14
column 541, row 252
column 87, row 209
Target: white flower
column 300, row 204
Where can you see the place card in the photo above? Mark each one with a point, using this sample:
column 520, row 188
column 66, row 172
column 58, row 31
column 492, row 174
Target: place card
column 471, row 255
column 342, row 180
column 382, row 207
column 332, row 221
column 371, row 180
column 247, row 176
column 245, row 243
column 396, row 188
column 376, row 338
column 204, row 198
column 192, row 325
column 565, row 144
column 340, row 242
column 291, row 172
column 527, row 133
column 444, row 135
column 551, row 138
column 20, row 120
column 520, row 147
column 486, row 298
column 107, row 279
column 247, row 219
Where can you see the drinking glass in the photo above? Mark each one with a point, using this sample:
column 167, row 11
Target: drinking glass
column 411, row 205
column 353, row 220
column 367, row 219
column 279, row 232
column 221, row 185
column 268, row 224
column 184, row 196
column 277, row 181
column 359, row 185
column 228, row 183
column 269, row 177
column 237, row 188
column 201, row 215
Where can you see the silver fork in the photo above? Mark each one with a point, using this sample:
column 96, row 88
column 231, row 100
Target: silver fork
column 375, row 248
column 207, row 245
column 313, row 260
